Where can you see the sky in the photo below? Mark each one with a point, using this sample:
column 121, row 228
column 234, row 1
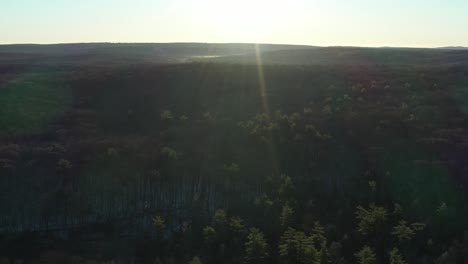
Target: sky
column 370, row 23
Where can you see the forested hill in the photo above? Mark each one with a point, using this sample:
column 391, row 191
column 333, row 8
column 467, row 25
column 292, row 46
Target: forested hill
column 115, row 158
column 231, row 53
column 129, row 53
column 355, row 56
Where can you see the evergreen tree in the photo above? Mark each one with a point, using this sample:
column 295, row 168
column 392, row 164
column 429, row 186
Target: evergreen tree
column 366, row 256
column 297, row 248
column 403, row 232
column 160, row 226
column 395, row 257
column 286, row 217
column 370, row 220
column 209, row 236
column 220, row 221
column 256, row 247
column 318, row 236
column 195, row 260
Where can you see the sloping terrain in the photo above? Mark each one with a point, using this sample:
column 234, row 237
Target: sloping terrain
column 108, row 155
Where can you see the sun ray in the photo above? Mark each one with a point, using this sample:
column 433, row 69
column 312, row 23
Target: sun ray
column 261, row 81
column 266, row 108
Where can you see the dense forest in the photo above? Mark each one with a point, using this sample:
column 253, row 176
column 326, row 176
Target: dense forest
column 110, row 158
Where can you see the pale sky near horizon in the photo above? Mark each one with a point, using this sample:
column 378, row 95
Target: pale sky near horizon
column 409, row 23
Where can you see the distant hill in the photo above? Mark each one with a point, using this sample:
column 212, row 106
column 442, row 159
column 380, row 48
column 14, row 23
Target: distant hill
column 161, row 53
column 130, row 52
column 350, row 55
column 455, row 48
column 160, row 48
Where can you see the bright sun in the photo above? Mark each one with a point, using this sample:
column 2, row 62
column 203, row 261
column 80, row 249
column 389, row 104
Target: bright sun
column 248, row 18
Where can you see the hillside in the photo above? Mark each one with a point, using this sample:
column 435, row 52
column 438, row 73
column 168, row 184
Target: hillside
column 105, row 53
column 155, row 153
column 127, row 53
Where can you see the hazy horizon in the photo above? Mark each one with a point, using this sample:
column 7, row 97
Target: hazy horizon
column 359, row 23
column 233, row 43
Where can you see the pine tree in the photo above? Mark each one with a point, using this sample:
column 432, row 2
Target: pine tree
column 406, row 232
column 220, row 220
column 395, row 257
column 256, row 248
column 160, row 226
column 370, row 220
column 209, row 236
column 286, row 217
column 297, row 248
column 318, row 236
column 366, row 256
column 402, row 231
column 195, row 260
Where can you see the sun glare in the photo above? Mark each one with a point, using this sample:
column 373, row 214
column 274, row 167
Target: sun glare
column 254, row 19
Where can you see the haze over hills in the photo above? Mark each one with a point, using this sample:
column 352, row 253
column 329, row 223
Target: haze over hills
column 454, row 47
column 85, row 53
column 355, row 55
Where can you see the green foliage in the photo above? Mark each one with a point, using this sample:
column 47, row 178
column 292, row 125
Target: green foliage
column 442, row 209
column 54, row 148
column 405, row 232
column 418, row 226
column 312, row 130
column 220, row 220
column 209, row 235
column 366, row 256
column 112, row 152
column 318, row 236
column 335, row 253
column 287, row 214
column 160, row 226
column 256, row 247
column 286, row 188
column 232, row 171
column 170, row 153
column 373, row 186
column 395, row 257
column 64, row 165
column 324, row 256
column 402, row 231
column 166, row 115
column 371, row 219
column 397, row 209
column 263, row 201
column 297, row 248
column 237, row 227
column 260, row 126
column 195, row 260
